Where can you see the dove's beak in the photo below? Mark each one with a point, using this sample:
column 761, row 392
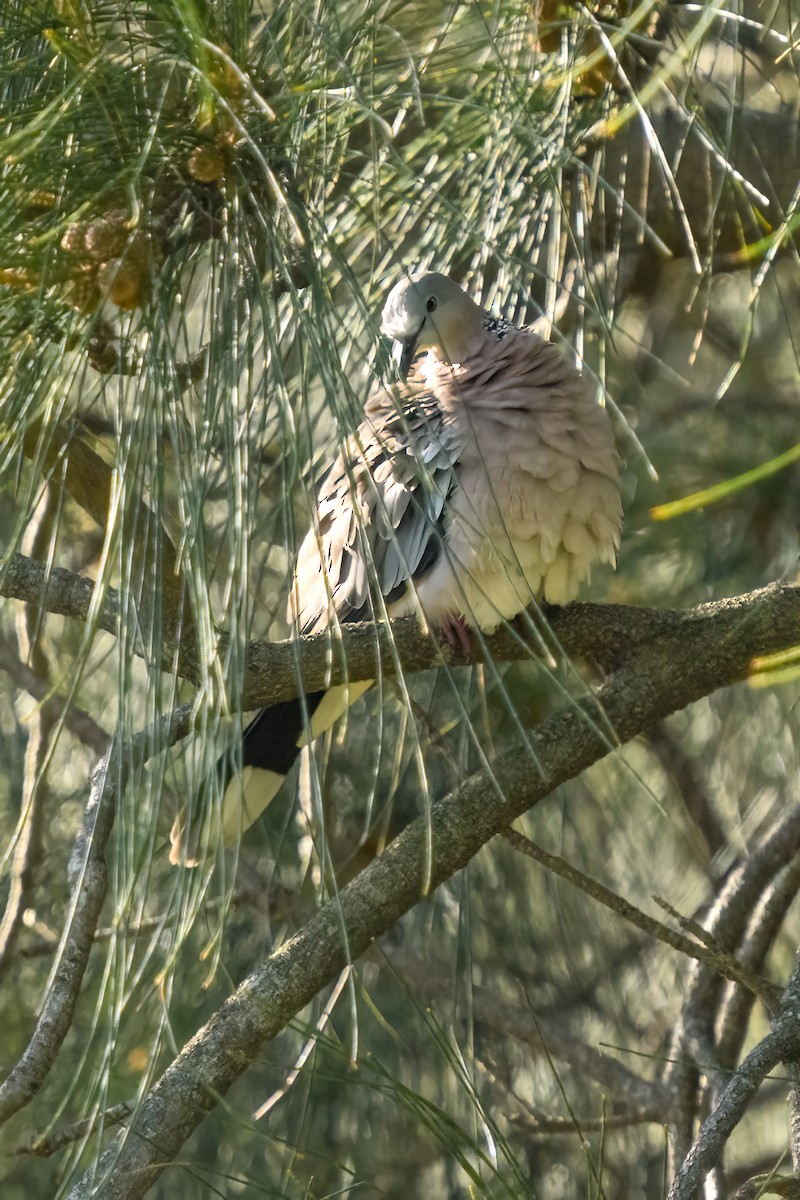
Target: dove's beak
column 403, row 355
column 404, row 352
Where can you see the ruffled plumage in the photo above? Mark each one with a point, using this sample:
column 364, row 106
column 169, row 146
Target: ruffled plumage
column 487, row 482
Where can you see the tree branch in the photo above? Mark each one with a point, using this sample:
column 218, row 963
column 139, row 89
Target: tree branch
column 715, row 957
column 693, row 1047
column 58, row 1010
column 88, row 875
column 780, row 1045
column 628, row 1090
column 691, row 656
column 764, row 926
column 27, row 852
column 43, row 1145
column 60, row 450
column 606, row 634
column 54, row 706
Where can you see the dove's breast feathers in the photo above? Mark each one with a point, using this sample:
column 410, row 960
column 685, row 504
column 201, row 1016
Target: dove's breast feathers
column 483, row 486
column 537, row 501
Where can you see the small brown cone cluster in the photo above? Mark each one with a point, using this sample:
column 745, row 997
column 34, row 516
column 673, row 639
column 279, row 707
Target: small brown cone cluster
column 207, row 164
column 19, row 277
column 103, row 350
column 595, row 67
column 110, row 261
column 121, row 282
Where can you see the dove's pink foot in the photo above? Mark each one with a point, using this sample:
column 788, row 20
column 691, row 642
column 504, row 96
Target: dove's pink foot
column 456, row 634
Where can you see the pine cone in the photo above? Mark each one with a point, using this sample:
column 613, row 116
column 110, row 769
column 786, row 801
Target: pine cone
column 106, row 236
column 122, row 281
column 140, row 252
column 73, row 239
column 206, row 164
column 83, row 290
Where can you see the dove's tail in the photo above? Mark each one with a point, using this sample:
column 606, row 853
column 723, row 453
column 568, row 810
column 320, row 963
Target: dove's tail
column 270, row 744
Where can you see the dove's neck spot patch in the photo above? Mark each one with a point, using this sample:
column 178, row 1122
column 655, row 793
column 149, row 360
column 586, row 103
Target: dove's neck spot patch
column 497, row 327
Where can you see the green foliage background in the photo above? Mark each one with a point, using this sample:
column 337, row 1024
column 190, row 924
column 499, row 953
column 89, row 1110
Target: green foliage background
column 359, row 142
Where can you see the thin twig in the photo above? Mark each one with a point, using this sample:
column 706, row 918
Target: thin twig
column 583, row 1125
column 76, row 720
column 535, row 1122
column 49, row 1143
column 88, row 875
column 277, row 905
column 713, row 956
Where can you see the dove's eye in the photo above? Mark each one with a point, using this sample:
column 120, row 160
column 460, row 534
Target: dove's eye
column 432, row 303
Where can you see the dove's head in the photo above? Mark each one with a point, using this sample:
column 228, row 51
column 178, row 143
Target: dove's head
column 430, row 312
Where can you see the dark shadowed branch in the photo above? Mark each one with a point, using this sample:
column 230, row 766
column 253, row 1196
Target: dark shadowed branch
column 27, row 849
column 544, row 1036
column 80, row 723
column 89, row 480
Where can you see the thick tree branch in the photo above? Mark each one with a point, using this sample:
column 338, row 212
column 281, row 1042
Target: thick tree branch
column 780, row 1045
column 691, row 656
column 606, row 634
column 717, row 212
column 57, row 591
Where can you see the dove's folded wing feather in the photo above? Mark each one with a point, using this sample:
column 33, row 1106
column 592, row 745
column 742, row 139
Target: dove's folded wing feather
column 378, row 523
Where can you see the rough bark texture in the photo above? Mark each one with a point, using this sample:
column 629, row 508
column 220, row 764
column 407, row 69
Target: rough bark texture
column 605, row 634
